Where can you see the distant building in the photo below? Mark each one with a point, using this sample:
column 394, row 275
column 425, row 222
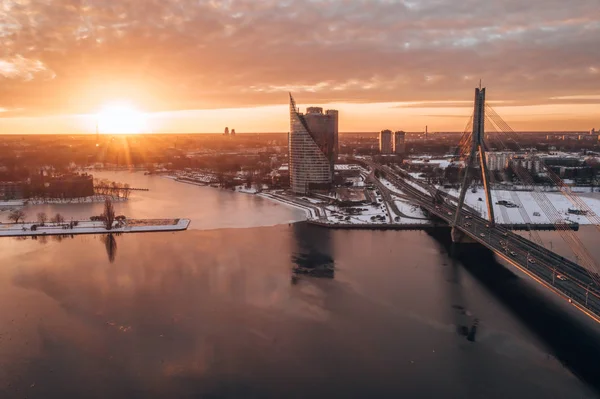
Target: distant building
column 226, row 132
column 498, row 160
column 334, row 116
column 592, row 132
column 385, row 141
column 11, row 190
column 232, row 132
column 399, row 143
column 312, row 148
column 531, row 164
column 65, row 186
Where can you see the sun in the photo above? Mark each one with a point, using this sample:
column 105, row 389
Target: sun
column 121, row 118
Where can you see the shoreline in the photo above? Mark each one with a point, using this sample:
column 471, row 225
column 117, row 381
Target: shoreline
column 243, row 190
column 97, row 199
column 88, row 227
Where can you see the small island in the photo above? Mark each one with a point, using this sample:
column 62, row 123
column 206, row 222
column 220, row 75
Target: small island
column 108, row 222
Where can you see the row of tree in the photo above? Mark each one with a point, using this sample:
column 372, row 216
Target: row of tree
column 106, row 187
column 108, row 216
column 18, row 215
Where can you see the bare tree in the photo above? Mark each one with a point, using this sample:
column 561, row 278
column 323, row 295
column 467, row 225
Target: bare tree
column 16, row 215
column 114, row 189
column 109, row 214
column 42, row 218
column 126, row 190
column 249, row 179
column 58, row 218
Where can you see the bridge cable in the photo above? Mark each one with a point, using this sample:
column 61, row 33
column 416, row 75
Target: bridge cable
column 548, row 208
column 514, row 196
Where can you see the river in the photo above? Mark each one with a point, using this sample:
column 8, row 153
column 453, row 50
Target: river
column 216, row 311
column 209, row 208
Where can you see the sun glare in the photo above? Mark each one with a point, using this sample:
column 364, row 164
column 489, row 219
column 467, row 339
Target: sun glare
column 121, row 118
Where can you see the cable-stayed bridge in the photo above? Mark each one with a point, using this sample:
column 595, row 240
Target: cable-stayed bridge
column 577, row 282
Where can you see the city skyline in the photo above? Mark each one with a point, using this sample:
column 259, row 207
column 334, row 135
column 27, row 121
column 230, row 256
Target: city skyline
column 190, row 67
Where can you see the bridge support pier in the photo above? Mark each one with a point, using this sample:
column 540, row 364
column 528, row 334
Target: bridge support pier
column 458, row 237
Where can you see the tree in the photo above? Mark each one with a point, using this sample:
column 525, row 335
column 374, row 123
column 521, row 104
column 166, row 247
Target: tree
column 109, row 214
column 42, row 218
column 249, row 180
column 16, row 215
column 58, row 218
column 221, row 178
column 126, row 190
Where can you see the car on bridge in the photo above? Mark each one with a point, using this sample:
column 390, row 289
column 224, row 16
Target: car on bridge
column 561, row 277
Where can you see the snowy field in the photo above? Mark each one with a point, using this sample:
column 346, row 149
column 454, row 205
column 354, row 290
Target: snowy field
column 337, row 214
column 529, row 205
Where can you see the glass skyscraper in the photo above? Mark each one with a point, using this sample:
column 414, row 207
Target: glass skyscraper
column 313, row 148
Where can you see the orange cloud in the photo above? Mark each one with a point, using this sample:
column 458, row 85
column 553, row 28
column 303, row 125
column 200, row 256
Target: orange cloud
column 65, row 57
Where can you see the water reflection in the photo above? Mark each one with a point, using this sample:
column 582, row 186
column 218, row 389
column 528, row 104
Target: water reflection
column 313, row 252
column 212, row 314
column 110, row 243
column 542, row 314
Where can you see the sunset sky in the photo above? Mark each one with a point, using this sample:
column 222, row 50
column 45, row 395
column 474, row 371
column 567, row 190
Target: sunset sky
column 198, row 66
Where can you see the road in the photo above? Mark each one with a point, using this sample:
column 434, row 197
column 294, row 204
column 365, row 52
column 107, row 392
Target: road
column 564, row 277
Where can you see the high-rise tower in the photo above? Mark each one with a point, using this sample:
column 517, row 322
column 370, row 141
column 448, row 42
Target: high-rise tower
column 385, row 142
column 399, row 143
column 312, row 148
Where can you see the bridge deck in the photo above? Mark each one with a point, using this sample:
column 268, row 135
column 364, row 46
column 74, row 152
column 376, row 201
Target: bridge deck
column 564, row 277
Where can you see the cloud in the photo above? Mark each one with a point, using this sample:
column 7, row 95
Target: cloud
column 75, row 55
column 18, row 67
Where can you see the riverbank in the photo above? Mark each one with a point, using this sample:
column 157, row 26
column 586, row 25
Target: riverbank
column 81, row 200
column 89, row 227
column 239, row 188
column 59, row 201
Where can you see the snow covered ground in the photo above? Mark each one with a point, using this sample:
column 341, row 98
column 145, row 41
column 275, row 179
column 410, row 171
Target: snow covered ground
column 415, row 175
column 530, row 205
column 79, row 200
column 337, row 214
column 411, row 210
column 12, row 203
column 281, row 198
column 246, row 190
column 417, row 186
column 391, row 187
column 88, row 227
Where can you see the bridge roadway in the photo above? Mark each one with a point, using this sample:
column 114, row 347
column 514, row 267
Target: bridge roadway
column 562, row 276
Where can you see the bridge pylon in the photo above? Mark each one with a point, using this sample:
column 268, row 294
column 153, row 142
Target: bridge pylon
column 477, row 147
